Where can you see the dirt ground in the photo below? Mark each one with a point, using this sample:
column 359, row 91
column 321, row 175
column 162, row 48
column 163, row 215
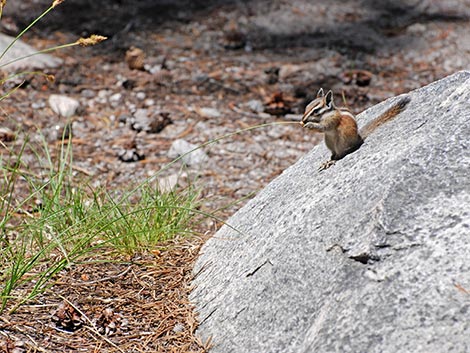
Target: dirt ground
column 210, row 68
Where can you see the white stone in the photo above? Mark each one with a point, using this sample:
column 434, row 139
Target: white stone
column 63, row 105
column 255, row 105
column 21, row 49
column 140, row 96
column 168, row 183
column 189, row 153
column 208, row 112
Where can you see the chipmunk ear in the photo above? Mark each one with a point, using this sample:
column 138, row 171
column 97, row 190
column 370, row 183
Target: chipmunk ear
column 320, row 93
column 329, row 99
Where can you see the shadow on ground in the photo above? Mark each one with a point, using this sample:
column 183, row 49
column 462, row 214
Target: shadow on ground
column 118, row 19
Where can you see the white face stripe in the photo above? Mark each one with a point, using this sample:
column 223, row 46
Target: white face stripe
column 314, row 104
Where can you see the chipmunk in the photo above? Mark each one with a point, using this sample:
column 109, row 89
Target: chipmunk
column 339, row 124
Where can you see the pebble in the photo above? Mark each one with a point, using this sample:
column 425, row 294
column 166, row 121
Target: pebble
column 140, row 96
column 102, row 96
column 88, row 93
column 115, row 100
column 168, row 183
column 123, row 118
column 208, row 112
column 416, row 28
column 140, row 120
column 130, row 155
column 149, row 102
column 103, row 93
column 38, row 105
column 255, row 105
column 63, row 105
column 183, row 148
column 115, row 97
column 199, row 77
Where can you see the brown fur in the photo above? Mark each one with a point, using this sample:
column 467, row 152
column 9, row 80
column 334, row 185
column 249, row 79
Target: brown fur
column 389, row 114
column 338, row 129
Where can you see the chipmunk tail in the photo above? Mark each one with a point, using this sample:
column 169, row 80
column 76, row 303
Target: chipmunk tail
column 388, row 115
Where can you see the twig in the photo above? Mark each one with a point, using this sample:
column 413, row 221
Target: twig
column 103, row 279
column 35, row 345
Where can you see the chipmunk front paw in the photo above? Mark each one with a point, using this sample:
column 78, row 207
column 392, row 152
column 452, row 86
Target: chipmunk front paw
column 326, row 165
column 308, row 125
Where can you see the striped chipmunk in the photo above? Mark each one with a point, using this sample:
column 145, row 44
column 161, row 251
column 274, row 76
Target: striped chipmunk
column 339, row 124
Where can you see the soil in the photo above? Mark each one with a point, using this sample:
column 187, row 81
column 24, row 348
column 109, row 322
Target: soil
column 210, row 68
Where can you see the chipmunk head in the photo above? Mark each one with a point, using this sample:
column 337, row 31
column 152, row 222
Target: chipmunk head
column 319, row 106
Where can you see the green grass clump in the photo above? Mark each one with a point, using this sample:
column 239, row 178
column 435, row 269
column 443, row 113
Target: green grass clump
column 73, row 222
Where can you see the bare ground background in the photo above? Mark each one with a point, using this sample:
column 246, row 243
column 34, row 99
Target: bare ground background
column 211, row 68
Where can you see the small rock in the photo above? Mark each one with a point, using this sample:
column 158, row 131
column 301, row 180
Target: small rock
column 168, row 183
column 130, row 155
column 140, row 120
column 140, row 96
column 63, row 105
column 149, row 102
column 199, row 77
column 38, row 105
column 88, row 93
column 417, row 28
column 190, row 155
column 255, row 105
column 208, row 112
column 115, row 97
column 123, row 118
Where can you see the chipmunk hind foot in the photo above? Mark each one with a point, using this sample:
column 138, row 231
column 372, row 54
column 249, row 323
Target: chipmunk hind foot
column 326, row 165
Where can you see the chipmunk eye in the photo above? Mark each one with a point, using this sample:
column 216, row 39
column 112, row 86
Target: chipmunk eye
column 316, row 111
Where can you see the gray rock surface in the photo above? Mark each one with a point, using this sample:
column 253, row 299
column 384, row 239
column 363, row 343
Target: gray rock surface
column 20, row 49
column 371, row 255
